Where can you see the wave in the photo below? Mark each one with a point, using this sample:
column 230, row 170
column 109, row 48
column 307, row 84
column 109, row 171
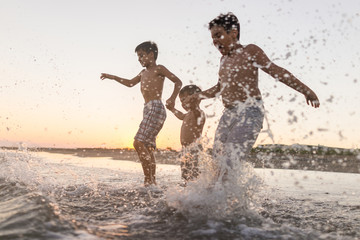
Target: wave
column 26, row 211
column 25, row 214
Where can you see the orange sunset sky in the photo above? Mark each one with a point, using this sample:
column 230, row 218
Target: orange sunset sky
column 53, row 52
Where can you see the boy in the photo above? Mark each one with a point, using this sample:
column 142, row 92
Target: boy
column 191, row 129
column 243, row 116
column 151, row 81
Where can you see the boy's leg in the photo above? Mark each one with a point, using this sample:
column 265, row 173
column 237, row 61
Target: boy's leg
column 221, row 135
column 154, row 116
column 152, row 165
column 194, row 168
column 184, row 170
column 147, row 160
column 189, row 169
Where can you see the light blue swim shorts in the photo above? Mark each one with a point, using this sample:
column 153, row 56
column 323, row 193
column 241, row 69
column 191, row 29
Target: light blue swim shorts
column 238, row 130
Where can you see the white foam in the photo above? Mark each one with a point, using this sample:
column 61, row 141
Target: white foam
column 210, row 195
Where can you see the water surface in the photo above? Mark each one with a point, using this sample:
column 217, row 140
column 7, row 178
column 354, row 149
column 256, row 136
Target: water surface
column 55, row 196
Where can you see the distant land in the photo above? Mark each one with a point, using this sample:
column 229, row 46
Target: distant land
column 306, row 157
column 296, row 156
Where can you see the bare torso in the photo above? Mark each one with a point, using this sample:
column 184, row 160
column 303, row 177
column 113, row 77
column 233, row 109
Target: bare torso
column 192, row 127
column 152, row 83
column 238, row 77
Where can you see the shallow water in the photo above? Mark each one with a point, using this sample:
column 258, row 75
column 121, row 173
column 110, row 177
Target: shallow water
column 54, row 196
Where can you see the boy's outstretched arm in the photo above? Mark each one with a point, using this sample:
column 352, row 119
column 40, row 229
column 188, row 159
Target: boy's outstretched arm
column 290, row 80
column 283, row 76
column 177, row 113
column 126, row 82
column 209, row 93
column 170, row 103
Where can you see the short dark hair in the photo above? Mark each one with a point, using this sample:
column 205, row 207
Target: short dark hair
column 189, row 89
column 228, row 21
column 148, row 47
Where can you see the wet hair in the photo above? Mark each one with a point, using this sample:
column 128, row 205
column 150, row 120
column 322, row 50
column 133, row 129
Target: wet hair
column 189, row 89
column 148, row 47
column 228, row 21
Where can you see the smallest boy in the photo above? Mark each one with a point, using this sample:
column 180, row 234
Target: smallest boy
column 191, row 129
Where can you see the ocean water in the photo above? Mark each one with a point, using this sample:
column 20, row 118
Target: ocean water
column 55, row 196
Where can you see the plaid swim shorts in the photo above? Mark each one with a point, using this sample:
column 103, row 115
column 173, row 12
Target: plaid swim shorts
column 154, row 115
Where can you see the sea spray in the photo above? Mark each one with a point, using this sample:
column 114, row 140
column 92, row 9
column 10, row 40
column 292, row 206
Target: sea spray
column 17, row 166
column 22, row 166
column 213, row 196
column 26, row 211
column 43, row 177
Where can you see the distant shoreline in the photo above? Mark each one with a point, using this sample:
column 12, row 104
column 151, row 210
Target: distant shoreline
column 304, row 157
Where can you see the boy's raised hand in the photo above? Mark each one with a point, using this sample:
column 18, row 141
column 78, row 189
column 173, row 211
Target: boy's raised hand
column 312, row 99
column 171, row 108
column 170, row 104
column 104, row 75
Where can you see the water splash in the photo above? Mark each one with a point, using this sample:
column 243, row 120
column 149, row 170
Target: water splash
column 214, row 196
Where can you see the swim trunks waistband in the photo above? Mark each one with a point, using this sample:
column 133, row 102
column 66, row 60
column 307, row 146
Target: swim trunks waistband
column 153, row 101
column 248, row 102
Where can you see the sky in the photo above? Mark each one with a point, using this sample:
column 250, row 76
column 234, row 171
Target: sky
column 53, row 52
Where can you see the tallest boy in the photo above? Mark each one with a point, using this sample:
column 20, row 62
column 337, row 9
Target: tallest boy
column 243, row 116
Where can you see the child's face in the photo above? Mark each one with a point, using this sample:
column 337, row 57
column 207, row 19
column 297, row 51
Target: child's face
column 223, row 40
column 144, row 58
column 190, row 106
